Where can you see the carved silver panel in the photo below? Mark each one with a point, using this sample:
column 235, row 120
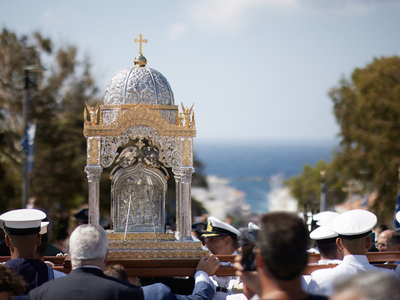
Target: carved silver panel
column 169, row 116
column 139, row 85
column 168, row 146
column 109, row 115
column 138, row 199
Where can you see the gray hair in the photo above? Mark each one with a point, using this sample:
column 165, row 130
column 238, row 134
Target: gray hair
column 88, row 242
column 371, row 285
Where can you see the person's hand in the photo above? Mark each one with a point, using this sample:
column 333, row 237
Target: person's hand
column 49, row 263
column 250, row 279
column 208, row 264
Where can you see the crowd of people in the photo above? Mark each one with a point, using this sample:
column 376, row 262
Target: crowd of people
column 270, row 261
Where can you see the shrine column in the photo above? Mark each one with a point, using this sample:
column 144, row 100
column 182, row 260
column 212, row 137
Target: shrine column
column 93, row 171
column 94, row 174
column 183, row 179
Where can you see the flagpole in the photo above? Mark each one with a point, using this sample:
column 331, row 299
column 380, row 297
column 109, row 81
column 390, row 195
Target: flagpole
column 25, row 179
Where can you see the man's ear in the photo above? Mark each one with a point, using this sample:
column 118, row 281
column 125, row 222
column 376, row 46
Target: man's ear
column 339, row 243
column 228, row 240
column 368, row 242
column 397, row 247
column 8, row 240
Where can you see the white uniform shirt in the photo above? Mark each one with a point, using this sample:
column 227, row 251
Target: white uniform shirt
column 305, row 279
column 329, row 261
column 322, row 280
column 225, row 282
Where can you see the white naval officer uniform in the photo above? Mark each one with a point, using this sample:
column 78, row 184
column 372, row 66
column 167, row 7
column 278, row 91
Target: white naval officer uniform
column 353, row 224
column 26, row 222
column 224, row 282
column 322, row 234
column 321, row 282
column 216, row 228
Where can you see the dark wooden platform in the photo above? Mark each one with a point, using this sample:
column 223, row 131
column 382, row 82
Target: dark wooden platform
column 187, row 267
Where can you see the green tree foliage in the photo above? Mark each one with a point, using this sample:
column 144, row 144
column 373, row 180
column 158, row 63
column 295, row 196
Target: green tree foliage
column 367, row 107
column 306, row 187
column 57, row 101
column 15, row 54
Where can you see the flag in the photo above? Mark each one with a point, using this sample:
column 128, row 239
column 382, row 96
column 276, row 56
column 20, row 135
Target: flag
column 28, row 145
column 30, row 132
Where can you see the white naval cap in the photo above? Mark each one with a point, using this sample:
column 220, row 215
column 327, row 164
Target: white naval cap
column 398, row 216
column 216, row 227
column 23, row 221
column 354, row 223
column 43, row 227
column 325, row 217
column 323, row 233
column 252, row 226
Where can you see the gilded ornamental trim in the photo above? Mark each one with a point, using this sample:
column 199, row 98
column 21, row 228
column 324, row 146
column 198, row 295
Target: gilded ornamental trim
column 131, row 115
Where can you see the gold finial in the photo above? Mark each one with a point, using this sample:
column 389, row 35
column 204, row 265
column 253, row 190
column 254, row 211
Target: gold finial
column 140, row 60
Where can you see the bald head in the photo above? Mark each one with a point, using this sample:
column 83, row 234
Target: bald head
column 388, row 240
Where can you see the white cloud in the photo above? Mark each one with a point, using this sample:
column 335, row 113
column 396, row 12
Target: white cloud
column 50, row 17
column 230, row 15
column 177, row 30
column 58, row 16
column 342, row 7
column 233, row 15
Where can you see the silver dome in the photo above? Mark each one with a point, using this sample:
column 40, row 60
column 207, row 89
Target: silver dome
column 139, row 85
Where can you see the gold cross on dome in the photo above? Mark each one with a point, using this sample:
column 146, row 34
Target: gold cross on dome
column 140, row 40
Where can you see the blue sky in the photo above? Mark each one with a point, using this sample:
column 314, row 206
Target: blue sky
column 255, row 69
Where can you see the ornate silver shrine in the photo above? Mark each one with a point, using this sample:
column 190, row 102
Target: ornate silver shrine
column 138, row 108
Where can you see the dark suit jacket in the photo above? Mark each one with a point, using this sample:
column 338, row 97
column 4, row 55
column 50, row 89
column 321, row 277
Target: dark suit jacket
column 86, row 283
column 159, row 291
column 181, row 286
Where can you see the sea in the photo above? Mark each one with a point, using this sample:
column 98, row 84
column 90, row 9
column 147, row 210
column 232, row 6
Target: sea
column 259, row 168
